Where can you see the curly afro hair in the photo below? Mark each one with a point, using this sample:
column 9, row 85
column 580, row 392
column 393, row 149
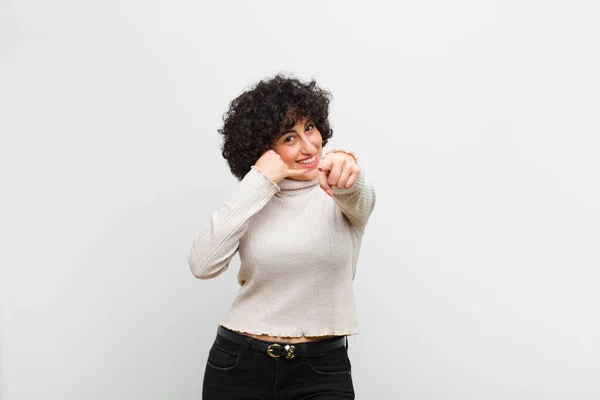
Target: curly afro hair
column 259, row 116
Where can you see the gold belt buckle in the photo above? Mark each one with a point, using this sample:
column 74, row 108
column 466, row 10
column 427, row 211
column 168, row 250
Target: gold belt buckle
column 289, row 348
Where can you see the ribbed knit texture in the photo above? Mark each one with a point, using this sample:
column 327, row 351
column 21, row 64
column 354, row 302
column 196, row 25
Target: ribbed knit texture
column 298, row 250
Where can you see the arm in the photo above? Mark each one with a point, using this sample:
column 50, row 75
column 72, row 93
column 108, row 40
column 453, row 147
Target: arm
column 212, row 250
column 356, row 203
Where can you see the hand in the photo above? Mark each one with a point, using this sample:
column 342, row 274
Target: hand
column 339, row 170
column 271, row 164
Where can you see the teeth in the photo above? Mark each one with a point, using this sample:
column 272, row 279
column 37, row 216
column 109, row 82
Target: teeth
column 309, row 160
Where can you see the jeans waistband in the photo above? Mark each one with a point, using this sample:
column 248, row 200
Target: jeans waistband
column 282, row 349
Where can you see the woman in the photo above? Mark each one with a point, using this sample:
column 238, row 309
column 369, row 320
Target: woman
column 297, row 219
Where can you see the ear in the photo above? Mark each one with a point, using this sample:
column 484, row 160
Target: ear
column 269, row 146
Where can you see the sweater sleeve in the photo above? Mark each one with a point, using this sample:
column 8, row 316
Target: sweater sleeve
column 356, row 203
column 212, row 250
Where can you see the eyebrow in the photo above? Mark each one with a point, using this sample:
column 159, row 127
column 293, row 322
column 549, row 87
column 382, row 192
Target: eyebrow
column 294, row 131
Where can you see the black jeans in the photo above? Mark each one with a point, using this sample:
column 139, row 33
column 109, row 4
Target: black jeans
column 245, row 371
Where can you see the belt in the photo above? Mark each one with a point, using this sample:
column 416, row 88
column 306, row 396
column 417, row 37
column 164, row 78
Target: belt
column 279, row 349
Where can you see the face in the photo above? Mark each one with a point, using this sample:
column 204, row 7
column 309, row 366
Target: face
column 302, row 142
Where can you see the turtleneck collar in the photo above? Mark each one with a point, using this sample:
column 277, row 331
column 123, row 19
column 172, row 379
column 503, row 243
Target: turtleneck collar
column 288, row 185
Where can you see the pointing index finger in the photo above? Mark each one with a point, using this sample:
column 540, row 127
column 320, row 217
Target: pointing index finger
column 323, row 172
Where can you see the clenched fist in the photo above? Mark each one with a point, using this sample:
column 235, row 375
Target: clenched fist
column 339, row 170
column 271, row 164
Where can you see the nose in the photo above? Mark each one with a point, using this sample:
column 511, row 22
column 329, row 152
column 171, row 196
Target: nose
column 308, row 147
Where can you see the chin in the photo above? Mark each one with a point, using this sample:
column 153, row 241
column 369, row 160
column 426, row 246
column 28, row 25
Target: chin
column 310, row 175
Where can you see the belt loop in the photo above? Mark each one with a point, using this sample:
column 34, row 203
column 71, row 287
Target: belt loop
column 247, row 342
column 303, row 350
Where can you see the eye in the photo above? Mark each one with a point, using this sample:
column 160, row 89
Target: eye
column 286, row 139
column 309, row 127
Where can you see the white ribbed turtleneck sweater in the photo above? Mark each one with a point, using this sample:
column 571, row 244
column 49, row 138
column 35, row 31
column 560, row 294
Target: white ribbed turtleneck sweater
column 298, row 250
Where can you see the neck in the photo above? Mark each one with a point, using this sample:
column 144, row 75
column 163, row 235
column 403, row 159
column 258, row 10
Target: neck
column 288, row 184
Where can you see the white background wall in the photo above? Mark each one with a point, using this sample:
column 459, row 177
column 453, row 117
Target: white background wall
column 477, row 121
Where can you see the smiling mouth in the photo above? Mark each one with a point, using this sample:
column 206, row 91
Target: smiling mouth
column 308, row 158
column 309, row 162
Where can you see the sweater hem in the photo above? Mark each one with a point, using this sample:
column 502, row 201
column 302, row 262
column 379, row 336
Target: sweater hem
column 348, row 332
